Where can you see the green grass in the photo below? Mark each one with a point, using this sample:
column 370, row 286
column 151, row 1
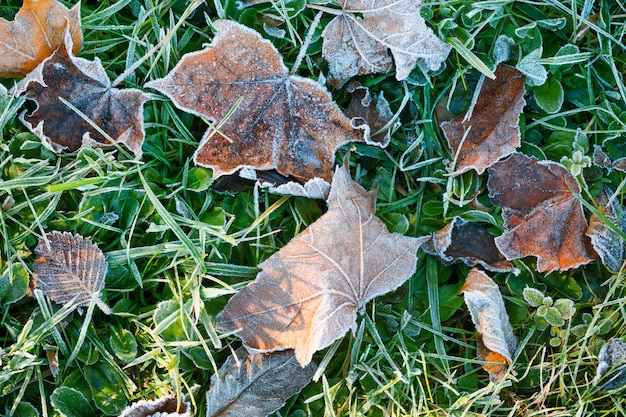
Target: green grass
column 177, row 247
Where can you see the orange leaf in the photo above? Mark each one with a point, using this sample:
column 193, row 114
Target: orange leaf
column 492, row 131
column 283, row 122
column 467, row 242
column 542, row 214
column 494, row 333
column 34, row 34
column 309, row 292
column 84, row 84
column 368, row 37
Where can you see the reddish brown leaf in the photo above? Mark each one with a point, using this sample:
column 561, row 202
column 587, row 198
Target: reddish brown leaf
column 168, row 406
column 70, row 268
column 492, row 131
column 34, row 34
column 84, row 84
column 542, row 214
column 494, row 334
column 309, row 292
column 608, row 244
column 371, row 114
column 368, row 37
column 467, row 242
column 283, row 122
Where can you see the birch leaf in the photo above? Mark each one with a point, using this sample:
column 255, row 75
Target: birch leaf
column 309, row 292
column 256, row 385
column 34, row 34
column 369, row 37
column 70, row 268
column 494, row 333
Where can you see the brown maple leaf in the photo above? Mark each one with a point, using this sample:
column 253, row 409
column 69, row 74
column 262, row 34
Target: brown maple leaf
column 282, row 122
column 368, row 37
column 34, row 34
column 492, row 131
column 544, row 217
column 309, row 292
column 494, row 334
column 85, row 85
column 468, row 242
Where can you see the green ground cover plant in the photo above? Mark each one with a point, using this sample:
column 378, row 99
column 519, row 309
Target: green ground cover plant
column 180, row 243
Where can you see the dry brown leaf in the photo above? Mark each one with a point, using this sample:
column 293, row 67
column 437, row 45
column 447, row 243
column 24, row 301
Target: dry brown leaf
column 309, row 292
column 70, row 268
column 371, row 114
column 283, row 122
column 34, row 34
column 540, row 211
column 494, row 334
column 611, row 365
column 256, row 385
column 369, row 37
column 492, row 131
column 602, row 159
column 85, row 85
column 608, row 244
column 468, row 242
column 168, row 406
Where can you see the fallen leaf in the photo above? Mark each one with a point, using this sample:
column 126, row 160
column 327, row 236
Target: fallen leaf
column 468, row 242
column 282, row 122
column 608, row 244
column 309, row 292
column 85, row 85
column 602, row 159
column 70, row 268
column 491, row 132
column 161, row 407
column 371, row 114
column 612, row 365
column 543, row 216
column 368, row 37
column 494, row 333
column 316, row 188
column 34, row 34
column 256, row 385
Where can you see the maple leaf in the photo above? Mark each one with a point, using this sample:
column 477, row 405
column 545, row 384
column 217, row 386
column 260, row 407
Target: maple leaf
column 608, row 244
column 85, row 85
column 161, row 407
column 468, row 242
column 367, row 37
column 282, row 122
column 492, row 131
column 496, row 341
column 309, row 292
column 544, row 217
column 256, row 385
column 34, row 34
column 70, row 268
column 372, row 114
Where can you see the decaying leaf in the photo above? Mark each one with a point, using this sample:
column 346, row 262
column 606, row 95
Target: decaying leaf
column 494, row 333
column 371, row 114
column 161, row 407
column 309, row 292
column 70, row 268
column 369, row 37
column 34, row 34
column 541, row 212
column 282, row 122
column 602, row 159
column 85, row 85
column 612, row 365
column 492, row 131
column 608, row 244
column 468, row 242
column 256, row 385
